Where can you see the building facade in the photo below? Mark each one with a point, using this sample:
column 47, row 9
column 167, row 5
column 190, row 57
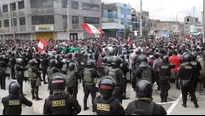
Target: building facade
column 188, row 21
column 115, row 18
column 170, row 26
column 34, row 19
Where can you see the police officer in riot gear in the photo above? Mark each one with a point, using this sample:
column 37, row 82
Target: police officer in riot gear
column 89, row 80
column 3, row 74
column 106, row 88
column 109, row 65
column 13, row 102
column 116, row 73
column 144, row 105
column 72, row 80
column 186, row 76
column 144, row 71
column 164, row 78
column 34, row 76
column 12, row 60
column 60, row 103
column 44, row 62
column 19, row 70
column 51, row 70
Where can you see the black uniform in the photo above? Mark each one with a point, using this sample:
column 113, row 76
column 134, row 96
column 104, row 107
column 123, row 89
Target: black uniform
column 164, row 80
column 12, row 64
column 20, row 75
column 89, row 76
column 60, row 103
column 106, row 104
column 13, row 103
column 144, row 104
column 3, row 74
column 44, row 65
column 186, row 75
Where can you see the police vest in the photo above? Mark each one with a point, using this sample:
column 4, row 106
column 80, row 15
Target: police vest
column 104, row 107
column 18, row 73
column 144, row 110
column 112, row 72
column 31, row 74
column 146, row 74
column 13, row 106
column 164, row 70
column 50, row 72
column 88, row 75
column 187, row 73
column 59, row 105
column 70, row 79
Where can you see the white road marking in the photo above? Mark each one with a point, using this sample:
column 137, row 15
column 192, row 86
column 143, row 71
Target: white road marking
column 164, row 103
column 169, row 111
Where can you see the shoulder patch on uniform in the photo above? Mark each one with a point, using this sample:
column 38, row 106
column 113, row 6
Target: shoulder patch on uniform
column 58, row 103
column 14, row 102
column 103, row 107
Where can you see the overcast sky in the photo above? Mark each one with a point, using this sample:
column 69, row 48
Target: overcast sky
column 166, row 9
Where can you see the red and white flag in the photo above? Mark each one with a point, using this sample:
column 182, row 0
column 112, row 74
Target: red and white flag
column 129, row 41
column 91, row 29
column 42, row 45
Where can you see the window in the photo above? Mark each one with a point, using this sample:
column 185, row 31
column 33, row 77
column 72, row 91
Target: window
column 121, row 10
column 6, row 23
column 106, row 13
column 64, row 17
column 91, row 7
column 91, row 20
column 128, row 11
column 75, row 20
column 122, row 21
column 21, row 5
column 47, row 19
column 13, row 6
column 74, row 4
column 187, row 20
column 64, row 3
column 196, row 20
column 14, row 22
column 5, row 8
column 22, row 21
column 41, row 3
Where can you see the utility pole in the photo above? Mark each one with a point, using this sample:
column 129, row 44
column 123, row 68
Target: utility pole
column 193, row 15
column 141, row 18
column 68, row 20
column 12, row 22
column 203, row 21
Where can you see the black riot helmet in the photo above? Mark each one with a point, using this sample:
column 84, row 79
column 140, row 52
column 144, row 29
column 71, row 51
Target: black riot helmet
column 36, row 55
column 165, row 59
column 32, row 62
column 43, row 55
column 52, row 62
column 71, row 66
column 144, row 65
column 104, row 60
column 58, row 82
column 91, row 63
column 106, row 87
column 142, row 58
column 109, row 60
column 193, row 56
column 144, row 89
column 14, row 89
column 186, row 57
column 19, row 61
column 111, row 51
column 116, row 61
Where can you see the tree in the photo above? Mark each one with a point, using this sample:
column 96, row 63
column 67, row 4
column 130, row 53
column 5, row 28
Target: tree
column 145, row 31
column 127, row 31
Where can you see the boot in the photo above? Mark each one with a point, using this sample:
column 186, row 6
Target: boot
column 37, row 97
column 33, row 95
column 85, row 105
column 94, row 109
column 196, row 105
column 184, row 105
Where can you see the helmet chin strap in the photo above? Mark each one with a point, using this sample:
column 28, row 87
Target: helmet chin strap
column 146, row 99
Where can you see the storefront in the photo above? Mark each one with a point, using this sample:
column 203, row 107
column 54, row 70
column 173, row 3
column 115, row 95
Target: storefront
column 45, row 31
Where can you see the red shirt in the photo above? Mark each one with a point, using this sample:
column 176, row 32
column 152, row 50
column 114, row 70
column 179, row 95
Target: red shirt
column 175, row 60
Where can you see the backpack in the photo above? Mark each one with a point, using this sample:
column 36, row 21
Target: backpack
column 147, row 74
column 142, row 111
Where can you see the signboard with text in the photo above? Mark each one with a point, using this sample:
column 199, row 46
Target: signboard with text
column 44, row 28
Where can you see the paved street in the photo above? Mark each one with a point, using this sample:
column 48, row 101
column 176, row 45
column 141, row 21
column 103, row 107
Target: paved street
column 173, row 106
